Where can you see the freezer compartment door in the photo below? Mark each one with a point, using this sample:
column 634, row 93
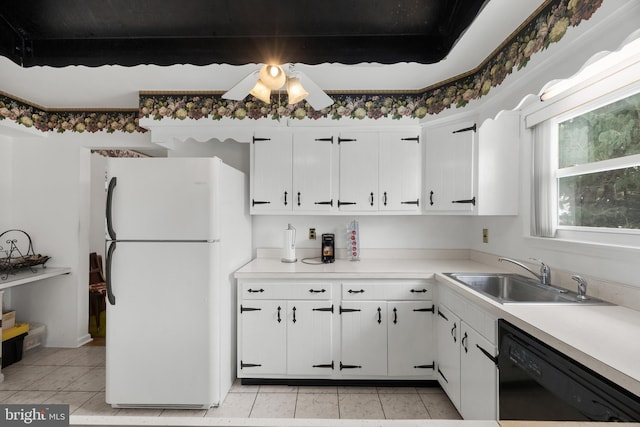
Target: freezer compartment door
column 162, row 199
column 162, row 346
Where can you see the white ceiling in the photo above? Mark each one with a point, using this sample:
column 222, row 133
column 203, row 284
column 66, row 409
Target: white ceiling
column 117, row 87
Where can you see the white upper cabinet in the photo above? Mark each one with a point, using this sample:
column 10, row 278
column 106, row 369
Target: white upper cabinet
column 449, row 167
column 313, row 172
column 400, row 176
column 271, row 173
column 358, row 171
column 473, row 169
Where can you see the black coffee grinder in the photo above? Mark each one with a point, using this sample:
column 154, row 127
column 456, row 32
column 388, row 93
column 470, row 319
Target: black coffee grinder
column 328, row 248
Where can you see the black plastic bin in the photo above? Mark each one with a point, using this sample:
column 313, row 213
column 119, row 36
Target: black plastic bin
column 12, row 350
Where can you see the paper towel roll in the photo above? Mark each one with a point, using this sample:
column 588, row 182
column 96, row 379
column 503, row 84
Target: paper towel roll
column 289, row 247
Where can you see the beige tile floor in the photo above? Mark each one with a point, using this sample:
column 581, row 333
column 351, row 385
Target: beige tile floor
column 77, row 377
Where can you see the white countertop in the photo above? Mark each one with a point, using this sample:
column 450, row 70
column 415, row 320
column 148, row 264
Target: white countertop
column 603, row 338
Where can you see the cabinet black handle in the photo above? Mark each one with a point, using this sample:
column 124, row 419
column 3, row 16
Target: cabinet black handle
column 346, row 140
column 285, row 198
column 371, row 202
column 343, row 366
column 255, row 291
column 431, row 198
column 328, row 365
column 430, row 309
column 279, row 318
column 472, row 201
column 473, row 128
column 348, row 310
column 486, row 353
column 442, row 315
column 314, row 291
column 379, row 315
column 431, row 366
column 323, row 309
column 298, row 198
column 453, row 332
column 330, row 202
column 259, row 202
column 325, row 139
column 464, row 342
column 385, row 198
column 294, row 315
column 395, row 316
column 412, row 202
column 351, row 291
column 421, row 291
column 345, row 203
column 248, row 365
column 243, row 309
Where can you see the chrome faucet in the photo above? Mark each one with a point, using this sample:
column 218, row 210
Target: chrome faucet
column 582, row 287
column 545, row 271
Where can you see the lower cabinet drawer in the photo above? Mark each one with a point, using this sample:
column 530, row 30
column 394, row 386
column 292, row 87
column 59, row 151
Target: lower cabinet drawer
column 286, row 291
column 406, row 290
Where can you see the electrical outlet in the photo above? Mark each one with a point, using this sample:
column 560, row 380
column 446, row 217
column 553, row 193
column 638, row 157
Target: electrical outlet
column 485, row 235
column 312, row 234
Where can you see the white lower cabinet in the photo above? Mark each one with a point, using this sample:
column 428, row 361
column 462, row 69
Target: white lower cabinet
column 377, row 329
column 466, row 364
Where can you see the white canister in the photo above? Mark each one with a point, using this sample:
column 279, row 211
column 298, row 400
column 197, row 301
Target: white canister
column 289, row 247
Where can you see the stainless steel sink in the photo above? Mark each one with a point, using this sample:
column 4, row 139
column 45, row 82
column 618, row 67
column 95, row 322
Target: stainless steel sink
column 517, row 289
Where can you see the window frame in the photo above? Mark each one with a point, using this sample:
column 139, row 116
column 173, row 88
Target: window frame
column 607, row 235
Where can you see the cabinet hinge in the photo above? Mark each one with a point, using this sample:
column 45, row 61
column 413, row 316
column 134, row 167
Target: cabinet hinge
column 243, row 309
column 346, row 140
column 473, row 128
column 255, row 139
column 328, row 365
column 442, row 315
column 325, row 139
column 342, row 366
column 486, row 353
column 431, row 366
column 430, row 309
column 324, row 309
column 415, row 138
column 472, row 201
column 347, row 310
column 248, row 365
column 442, row 375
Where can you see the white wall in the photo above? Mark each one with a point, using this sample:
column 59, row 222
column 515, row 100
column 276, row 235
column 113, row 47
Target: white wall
column 232, row 153
column 6, row 180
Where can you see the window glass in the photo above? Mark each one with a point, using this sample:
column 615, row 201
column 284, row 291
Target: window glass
column 606, row 133
column 594, row 190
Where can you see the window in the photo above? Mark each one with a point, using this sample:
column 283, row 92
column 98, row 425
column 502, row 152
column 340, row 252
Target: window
column 598, row 166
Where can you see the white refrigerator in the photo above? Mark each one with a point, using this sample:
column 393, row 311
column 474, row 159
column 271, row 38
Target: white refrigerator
column 177, row 229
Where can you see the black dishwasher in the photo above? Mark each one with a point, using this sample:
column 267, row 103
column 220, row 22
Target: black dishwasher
column 539, row 383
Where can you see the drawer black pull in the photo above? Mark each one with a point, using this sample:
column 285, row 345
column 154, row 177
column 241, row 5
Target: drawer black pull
column 421, row 291
column 313, row 291
column 342, row 366
column 255, row 291
column 243, row 309
column 351, row 291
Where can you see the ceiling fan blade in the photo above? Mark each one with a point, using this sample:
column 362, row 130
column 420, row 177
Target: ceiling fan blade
column 317, row 98
column 242, row 88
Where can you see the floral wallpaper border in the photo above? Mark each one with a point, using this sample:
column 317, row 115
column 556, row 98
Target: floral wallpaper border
column 547, row 27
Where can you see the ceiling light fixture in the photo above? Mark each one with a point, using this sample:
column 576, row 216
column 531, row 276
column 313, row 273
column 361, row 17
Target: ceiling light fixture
column 270, row 77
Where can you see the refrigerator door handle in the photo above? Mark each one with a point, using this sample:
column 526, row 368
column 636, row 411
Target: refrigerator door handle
column 110, row 296
column 112, row 184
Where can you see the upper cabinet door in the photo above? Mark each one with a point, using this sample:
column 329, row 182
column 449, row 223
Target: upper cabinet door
column 449, row 167
column 358, row 171
column 400, row 176
column 271, row 171
column 313, row 171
